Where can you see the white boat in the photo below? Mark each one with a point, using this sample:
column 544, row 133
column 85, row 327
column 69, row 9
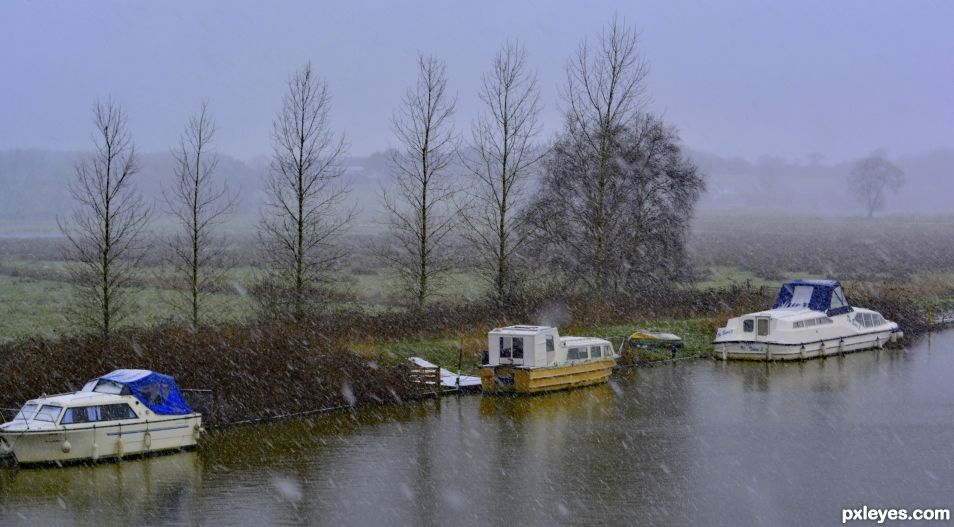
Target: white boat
column 126, row 412
column 536, row 359
column 810, row 318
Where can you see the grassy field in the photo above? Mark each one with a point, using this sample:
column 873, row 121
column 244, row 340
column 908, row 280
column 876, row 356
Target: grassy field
column 915, row 252
column 32, row 307
column 718, row 277
column 37, row 308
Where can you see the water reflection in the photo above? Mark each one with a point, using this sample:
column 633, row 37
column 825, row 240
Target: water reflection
column 694, row 442
column 153, row 489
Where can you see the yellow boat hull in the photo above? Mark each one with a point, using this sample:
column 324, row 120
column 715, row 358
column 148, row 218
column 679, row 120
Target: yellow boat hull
column 518, row 380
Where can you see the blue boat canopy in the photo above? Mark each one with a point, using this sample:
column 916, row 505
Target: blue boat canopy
column 157, row 391
column 818, row 295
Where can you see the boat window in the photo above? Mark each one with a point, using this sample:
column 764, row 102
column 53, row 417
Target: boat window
column 153, row 396
column 823, row 320
column 83, row 414
column 596, row 352
column 868, row 321
column 799, row 324
column 550, row 345
column 608, row 350
column 838, row 298
column 748, row 325
column 576, row 354
column 504, row 348
column 26, row 413
column 809, row 323
column 763, row 327
column 111, row 388
column 518, row 347
column 48, row 412
column 877, row 319
column 801, row 296
column 92, row 414
column 114, row 412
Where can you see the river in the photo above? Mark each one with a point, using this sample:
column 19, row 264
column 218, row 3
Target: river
column 696, row 442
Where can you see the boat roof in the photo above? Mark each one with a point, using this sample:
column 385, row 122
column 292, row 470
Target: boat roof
column 579, row 341
column 522, row 330
column 157, row 391
column 794, row 315
column 826, row 296
column 650, row 335
column 67, row 399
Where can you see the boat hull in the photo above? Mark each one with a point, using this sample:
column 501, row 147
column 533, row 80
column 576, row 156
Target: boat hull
column 778, row 351
column 112, row 441
column 504, row 379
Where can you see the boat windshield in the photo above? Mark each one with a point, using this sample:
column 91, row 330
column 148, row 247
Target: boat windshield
column 111, row 388
column 49, row 412
column 26, row 413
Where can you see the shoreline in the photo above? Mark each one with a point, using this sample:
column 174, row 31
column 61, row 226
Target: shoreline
column 266, row 371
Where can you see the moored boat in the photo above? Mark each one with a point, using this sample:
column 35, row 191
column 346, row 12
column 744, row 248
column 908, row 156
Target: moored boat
column 810, row 318
column 649, row 341
column 536, row 359
column 126, row 412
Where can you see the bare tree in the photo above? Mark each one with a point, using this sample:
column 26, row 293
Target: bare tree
column 199, row 204
column 420, row 204
column 304, row 192
column 604, row 93
column 501, row 159
column 870, row 178
column 105, row 231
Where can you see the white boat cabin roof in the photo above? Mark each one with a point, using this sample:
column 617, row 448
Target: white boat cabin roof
column 795, row 315
column 525, row 331
column 79, row 398
column 582, row 341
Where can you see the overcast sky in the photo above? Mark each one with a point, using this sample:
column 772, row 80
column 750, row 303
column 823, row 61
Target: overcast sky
column 737, row 78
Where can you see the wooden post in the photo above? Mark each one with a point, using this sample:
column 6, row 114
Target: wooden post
column 460, row 362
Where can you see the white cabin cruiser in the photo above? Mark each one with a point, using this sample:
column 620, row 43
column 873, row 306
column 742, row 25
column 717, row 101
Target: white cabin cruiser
column 810, row 318
column 126, row 412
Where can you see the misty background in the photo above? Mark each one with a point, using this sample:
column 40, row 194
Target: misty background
column 774, row 102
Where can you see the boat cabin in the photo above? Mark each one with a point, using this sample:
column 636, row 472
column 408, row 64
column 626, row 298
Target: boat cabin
column 542, row 346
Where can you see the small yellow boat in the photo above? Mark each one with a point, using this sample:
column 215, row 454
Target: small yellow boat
column 536, row 359
column 647, row 341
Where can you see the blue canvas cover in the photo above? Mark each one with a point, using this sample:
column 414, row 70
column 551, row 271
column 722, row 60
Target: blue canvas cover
column 818, row 295
column 157, row 391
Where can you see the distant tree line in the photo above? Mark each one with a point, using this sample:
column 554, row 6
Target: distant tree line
column 602, row 209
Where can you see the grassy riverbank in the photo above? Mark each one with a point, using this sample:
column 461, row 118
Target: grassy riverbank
column 354, row 356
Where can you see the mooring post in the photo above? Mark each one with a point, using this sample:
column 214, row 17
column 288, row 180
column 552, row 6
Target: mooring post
column 460, row 362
